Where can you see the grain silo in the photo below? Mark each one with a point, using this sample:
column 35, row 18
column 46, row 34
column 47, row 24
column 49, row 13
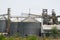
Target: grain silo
column 2, row 25
column 29, row 26
column 13, row 28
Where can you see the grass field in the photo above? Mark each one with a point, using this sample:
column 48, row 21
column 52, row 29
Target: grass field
column 20, row 38
column 2, row 37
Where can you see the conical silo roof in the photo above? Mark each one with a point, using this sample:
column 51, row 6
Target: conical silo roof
column 29, row 19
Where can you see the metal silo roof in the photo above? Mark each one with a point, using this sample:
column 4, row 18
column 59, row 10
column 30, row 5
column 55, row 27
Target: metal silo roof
column 2, row 18
column 29, row 19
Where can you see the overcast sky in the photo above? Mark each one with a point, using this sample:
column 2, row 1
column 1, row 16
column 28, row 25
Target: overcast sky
column 22, row 6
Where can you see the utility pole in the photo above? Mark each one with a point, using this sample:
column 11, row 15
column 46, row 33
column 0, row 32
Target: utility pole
column 8, row 22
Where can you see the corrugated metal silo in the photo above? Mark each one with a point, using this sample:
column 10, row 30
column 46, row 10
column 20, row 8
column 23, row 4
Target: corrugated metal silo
column 29, row 28
column 2, row 25
column 13, row 28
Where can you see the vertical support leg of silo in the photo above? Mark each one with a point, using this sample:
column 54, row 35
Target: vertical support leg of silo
column 8, row 26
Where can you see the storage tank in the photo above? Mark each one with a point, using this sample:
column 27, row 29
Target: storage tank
column 2, row 25
column 13, row 28
column 29, row 28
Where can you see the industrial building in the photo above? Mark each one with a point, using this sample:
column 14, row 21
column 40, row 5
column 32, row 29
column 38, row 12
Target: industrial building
column 29, row 25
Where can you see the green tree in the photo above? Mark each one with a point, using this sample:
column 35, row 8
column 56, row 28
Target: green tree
column 54, row 32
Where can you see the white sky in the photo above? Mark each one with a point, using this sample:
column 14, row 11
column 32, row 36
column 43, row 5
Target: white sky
column 22, row 6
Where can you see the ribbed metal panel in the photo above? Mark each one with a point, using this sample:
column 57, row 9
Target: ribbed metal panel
column 2, row 25
column 29, row 28
column 25, row 28
column 13, row 28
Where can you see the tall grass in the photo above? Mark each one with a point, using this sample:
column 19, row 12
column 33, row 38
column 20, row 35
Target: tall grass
column 16, row 37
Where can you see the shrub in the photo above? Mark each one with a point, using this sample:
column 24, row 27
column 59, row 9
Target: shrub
column 54, row 32
column 2, row 37
column 32, row 38
column 11, row 38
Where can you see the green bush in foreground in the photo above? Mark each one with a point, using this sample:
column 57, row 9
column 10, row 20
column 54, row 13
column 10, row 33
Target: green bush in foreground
column 2, row 37
column 31, row 37
column 54, row 31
